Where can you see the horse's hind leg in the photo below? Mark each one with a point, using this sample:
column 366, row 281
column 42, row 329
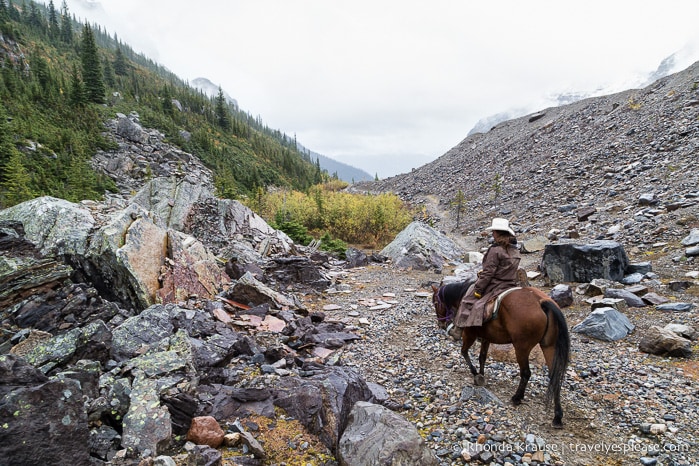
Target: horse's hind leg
column 524, row 374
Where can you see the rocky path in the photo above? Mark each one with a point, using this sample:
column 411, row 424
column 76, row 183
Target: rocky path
column 622, row 407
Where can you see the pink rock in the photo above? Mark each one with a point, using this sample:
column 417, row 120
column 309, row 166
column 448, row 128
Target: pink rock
column 205, row 431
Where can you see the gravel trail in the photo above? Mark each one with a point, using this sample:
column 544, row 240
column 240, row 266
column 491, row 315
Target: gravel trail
column 621, row 406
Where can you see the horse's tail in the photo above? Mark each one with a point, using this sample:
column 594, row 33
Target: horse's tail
column 561, row 352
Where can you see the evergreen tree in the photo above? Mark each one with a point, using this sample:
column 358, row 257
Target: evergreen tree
column 77, row 90
column 66, row 24
column 54, row 29
column 15, row 185
column 120, row 65
column 459, row 204
column 7, row 145
column 223, row 119
column 13, row 11
column 91, row 68
column 109, row 76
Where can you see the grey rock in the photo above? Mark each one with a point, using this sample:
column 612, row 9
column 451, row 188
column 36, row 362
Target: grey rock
column 41, row 423
column 675, row 307
column 631, row 299
column 692, row 239
column 562, row 294
column 170, row 200
column 685, row 331
column 605, row 324
column 421, row 247
column 376, row 435
column 571, row 262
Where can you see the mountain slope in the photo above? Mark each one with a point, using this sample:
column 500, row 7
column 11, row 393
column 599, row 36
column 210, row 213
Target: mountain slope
column 633, row 153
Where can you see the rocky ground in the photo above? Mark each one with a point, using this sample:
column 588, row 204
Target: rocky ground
column 622, row 406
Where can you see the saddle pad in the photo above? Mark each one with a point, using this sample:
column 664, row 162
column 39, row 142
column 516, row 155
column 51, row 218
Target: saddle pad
column 491, row 308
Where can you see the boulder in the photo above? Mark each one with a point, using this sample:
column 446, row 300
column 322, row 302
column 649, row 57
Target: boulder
column 125, row 257
column 663, row 342
column 692, row 239
column 685, row 331
column 605, row 324
column 56, row 227
column 572, row 262
column 322, row 401
column 421, row 247
column 376, row 435
column 41, row 421
column 218, row 223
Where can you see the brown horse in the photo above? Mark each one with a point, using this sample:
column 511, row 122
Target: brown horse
column 527, row 317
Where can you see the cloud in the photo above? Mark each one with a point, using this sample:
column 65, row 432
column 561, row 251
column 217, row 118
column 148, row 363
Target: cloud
column 390, row 85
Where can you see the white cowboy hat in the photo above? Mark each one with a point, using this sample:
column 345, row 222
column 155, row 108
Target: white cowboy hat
column 501, row 224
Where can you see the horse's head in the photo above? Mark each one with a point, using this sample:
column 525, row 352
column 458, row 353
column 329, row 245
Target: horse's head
column 440, row 307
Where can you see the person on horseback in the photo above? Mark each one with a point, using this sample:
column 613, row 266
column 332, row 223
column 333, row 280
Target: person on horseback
column 500, row 266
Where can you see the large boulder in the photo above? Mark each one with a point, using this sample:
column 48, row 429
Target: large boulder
column 56, row 227
column 572, row 262
column 421, row 247
column 322, row 402
column 377, row 435
column 125, row 258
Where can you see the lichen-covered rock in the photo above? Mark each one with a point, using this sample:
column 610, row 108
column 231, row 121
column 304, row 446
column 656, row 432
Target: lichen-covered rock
column 55, row 226
column 147, row 428
column 41, row 421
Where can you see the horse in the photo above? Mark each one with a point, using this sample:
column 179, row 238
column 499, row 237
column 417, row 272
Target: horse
column 526, row 317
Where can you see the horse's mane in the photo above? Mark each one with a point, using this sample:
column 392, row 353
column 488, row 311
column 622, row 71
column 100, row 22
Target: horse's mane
column 453, row 292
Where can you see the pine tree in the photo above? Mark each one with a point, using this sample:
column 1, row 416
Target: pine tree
column 6, row 140
column 66, row 24
column 120, row 65
column 77, row 90
column 4, row 14
column 109, row 76
column 15, row 185
column 91, row 67
column 223, row 119
column 54, row 29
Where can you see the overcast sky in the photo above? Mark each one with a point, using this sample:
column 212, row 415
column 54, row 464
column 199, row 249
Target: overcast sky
column 390, row 85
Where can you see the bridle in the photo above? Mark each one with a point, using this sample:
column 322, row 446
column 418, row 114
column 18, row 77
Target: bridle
column 449, row 312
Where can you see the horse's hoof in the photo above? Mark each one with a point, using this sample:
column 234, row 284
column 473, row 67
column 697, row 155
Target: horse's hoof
column 516, row 401
column 557, row 424
column 479, row 380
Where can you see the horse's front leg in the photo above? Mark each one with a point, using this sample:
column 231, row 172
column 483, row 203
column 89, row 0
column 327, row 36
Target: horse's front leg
column 467, row 339
column 482, row 356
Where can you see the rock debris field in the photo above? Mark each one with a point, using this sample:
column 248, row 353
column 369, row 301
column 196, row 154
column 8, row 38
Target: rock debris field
column 621, row 406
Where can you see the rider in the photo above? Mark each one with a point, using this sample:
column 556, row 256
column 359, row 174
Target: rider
column 500, row 265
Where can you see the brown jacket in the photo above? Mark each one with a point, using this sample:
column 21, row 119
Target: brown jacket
column 499, row 273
